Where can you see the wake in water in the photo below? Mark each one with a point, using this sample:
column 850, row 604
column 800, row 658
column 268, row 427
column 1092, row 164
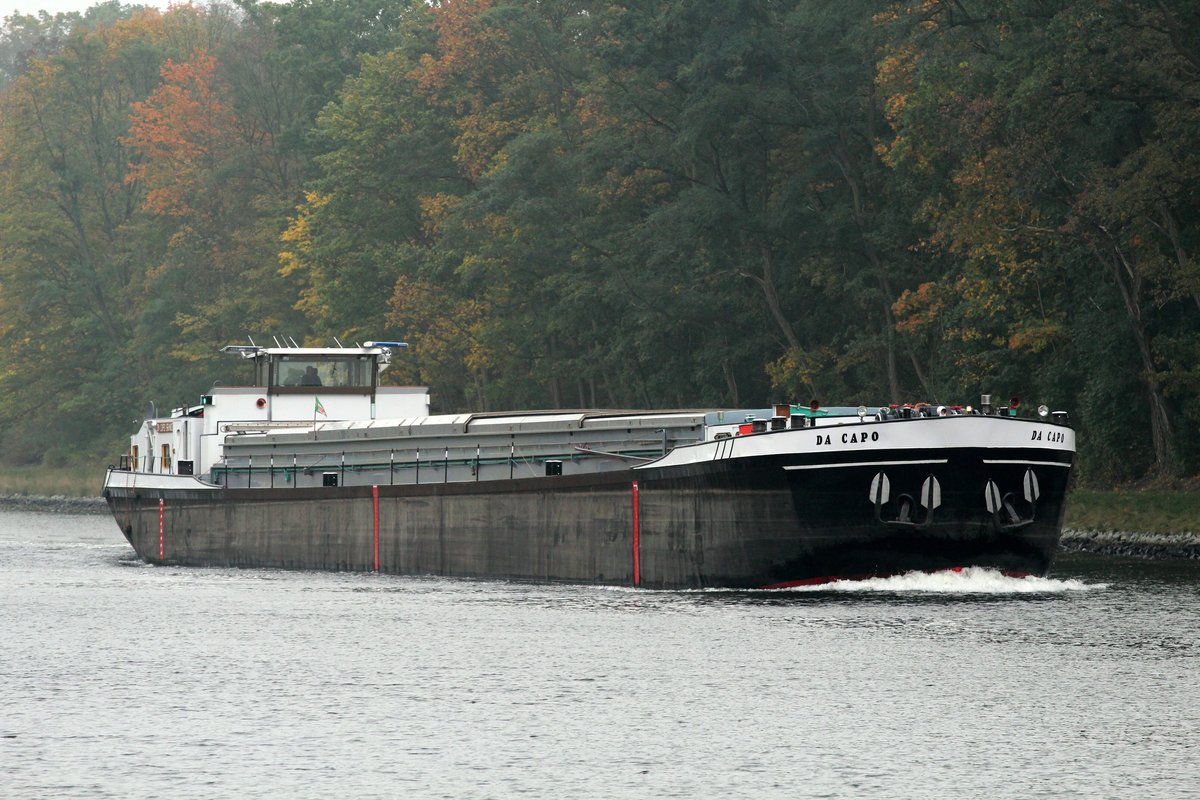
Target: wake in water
column 969, row 580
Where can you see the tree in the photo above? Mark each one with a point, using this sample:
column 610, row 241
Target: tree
column 70, row 253
column 1056, row 144
column 26, row 38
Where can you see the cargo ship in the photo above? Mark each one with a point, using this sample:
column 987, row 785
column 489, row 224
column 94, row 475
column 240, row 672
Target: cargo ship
column 313, row 464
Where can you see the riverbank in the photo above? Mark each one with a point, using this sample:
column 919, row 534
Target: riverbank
column 1148, row 522
column 53, row 504
column 1132, row 543
column 75, row 480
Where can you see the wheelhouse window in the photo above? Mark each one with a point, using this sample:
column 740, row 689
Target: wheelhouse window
column 353, row 373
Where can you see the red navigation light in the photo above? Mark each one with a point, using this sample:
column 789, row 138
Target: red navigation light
column 815, row 405
column 1014, row 402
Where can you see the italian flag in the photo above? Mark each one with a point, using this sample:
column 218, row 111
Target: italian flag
column 318, row 408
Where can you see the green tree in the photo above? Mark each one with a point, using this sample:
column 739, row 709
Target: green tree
column 70, row 254
column 759, row 125
column 89, row 323
column 1056, row 146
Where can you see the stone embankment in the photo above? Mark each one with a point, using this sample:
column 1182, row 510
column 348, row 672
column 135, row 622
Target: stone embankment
column 1132, row 543
column 56, row 504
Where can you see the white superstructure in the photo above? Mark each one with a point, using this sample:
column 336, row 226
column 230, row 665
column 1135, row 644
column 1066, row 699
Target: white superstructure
column 293, row 388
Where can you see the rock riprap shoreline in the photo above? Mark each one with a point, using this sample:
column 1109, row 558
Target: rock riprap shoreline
column 54, row 504
column 1133, row 543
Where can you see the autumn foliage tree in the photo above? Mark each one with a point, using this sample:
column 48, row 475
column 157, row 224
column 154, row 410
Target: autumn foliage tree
column 184, row 137
column 201, row 165
column 71, row 238
column 1056, row 147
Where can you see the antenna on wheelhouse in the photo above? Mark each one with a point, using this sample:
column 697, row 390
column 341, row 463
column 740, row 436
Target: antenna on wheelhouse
column 251, row 338
column 276, row 338
column 293, row 341
column 339, row 344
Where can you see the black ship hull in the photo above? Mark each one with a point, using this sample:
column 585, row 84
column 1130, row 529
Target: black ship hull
column 768, row 521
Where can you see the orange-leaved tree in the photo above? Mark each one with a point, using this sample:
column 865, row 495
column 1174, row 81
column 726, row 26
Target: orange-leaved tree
column 183, row 134
column 199, row 163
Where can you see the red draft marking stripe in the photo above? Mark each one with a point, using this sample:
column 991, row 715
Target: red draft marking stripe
column 375, row 500
column 637, row 555
column 161, row 539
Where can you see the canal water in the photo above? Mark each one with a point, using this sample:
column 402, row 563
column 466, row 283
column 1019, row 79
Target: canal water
column 123, row 680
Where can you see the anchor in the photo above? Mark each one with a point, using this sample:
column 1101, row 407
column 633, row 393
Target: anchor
column 1003, row 507
column 929, row 498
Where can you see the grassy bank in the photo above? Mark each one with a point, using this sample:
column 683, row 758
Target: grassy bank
column 1148, row 511
column 76, row 480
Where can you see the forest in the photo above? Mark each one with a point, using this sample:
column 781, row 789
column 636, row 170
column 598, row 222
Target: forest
column 613, row 203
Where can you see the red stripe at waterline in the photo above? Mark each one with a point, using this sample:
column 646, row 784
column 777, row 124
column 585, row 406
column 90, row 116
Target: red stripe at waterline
column 637, row 555
column 375, row 501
